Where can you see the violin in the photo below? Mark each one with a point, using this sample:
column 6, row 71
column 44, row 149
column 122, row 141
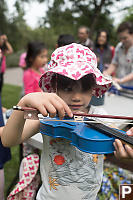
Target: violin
column 87, row 135
column 94, row 138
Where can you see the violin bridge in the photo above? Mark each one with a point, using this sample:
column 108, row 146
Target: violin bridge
column 78, row 118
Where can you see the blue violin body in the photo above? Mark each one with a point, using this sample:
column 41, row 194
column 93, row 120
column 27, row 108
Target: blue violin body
column 81, row 135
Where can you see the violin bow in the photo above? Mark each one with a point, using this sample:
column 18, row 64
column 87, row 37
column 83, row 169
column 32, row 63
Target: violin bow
column 32, row 113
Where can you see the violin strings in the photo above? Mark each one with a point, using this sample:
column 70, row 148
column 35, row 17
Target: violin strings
column 85, row 121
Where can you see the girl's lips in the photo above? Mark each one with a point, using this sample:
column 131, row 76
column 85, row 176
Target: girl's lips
column 75, row 107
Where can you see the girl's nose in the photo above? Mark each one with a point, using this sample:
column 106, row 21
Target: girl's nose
column 76, row 97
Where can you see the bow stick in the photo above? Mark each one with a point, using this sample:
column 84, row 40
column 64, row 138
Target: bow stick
column 32, row 113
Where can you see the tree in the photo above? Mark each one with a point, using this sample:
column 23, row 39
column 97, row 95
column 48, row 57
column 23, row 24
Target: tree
column 129, row 16
column 65, row 16
column 3, row 18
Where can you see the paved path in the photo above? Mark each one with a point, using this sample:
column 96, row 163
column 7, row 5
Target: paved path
column 13, row 76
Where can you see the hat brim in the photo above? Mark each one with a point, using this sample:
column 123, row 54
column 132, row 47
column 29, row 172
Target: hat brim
column 103, row 83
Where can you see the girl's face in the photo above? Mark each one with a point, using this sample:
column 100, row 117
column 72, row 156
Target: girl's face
column 102, row 38
column 41, row 59
column 77, row 99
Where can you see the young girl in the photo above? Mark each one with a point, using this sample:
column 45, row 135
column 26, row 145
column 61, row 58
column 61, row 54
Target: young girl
column 36, row 60
column 66, row 172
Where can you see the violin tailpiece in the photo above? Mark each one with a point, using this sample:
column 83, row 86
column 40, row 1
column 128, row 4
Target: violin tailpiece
column 78, row 118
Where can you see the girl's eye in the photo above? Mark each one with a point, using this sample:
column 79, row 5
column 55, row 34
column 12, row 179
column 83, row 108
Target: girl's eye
column 68, row 89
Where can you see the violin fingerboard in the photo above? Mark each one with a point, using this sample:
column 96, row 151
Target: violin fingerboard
column 112, row 132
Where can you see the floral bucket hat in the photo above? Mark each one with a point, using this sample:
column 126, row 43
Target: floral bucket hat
column 74, row 61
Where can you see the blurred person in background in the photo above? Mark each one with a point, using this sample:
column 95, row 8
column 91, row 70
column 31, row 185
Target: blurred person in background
column 104, row 53
column 122, row 62
column 64, row 39
column 5, row 49
column 83, row 37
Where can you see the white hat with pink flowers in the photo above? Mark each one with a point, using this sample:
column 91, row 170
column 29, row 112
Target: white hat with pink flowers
column 74, row 61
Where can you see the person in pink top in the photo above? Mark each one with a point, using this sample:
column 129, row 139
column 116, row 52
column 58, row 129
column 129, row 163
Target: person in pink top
column 22, row 62
column 5, row 49
column 36, row 59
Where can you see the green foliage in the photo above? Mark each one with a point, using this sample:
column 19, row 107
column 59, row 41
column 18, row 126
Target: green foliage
column 129, row 16
column 91, row 13
column 13, row 59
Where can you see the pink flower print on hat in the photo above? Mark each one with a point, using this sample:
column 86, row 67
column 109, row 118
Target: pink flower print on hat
column 74, row 61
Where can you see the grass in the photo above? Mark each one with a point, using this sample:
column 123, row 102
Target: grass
column 10, row 97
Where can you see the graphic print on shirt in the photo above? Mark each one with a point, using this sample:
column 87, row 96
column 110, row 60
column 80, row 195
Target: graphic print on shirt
column 72, row 166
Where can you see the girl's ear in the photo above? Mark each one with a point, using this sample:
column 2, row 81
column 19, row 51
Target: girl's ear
column 56, row 46
column 93, row 92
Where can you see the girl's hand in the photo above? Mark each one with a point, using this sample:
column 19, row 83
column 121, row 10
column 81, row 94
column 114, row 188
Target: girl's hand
column 124, row 151
column 46, row 103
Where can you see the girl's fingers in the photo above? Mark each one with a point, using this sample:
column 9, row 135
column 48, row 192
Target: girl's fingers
column 42, row 110
column 59, row 107
column 47, row 103
column 129, row 151
column 62, row 107
column 120, row 150
column 50, row 109
column 130, row 132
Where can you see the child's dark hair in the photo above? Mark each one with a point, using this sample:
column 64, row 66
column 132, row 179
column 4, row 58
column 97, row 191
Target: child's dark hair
column 33, row 49
column 65, row 39
column 61, row 82
column 125, row 26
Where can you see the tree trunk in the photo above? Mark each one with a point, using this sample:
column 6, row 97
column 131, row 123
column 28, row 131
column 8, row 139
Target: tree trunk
column 95, row 17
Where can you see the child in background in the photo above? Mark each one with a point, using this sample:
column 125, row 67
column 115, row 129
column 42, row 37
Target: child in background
column 36, row 59
column 22, row 62
column 4, row 156
column 64, row 39
column 66, row 172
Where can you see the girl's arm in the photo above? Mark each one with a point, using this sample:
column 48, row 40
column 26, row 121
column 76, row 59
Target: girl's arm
column 9, row 49
column 1, row 129
column 18, row 129
column 125, row 79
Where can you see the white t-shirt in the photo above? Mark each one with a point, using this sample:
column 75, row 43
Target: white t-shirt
column 68, row 173
column 124, row 62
